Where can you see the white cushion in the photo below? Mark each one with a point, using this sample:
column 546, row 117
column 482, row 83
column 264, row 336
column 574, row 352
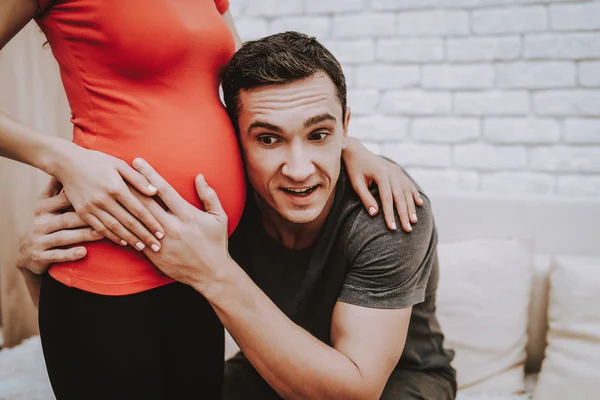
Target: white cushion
column 571, row 368
column 483, row 300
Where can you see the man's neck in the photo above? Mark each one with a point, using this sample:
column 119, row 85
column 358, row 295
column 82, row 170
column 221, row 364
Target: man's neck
column 290, row 234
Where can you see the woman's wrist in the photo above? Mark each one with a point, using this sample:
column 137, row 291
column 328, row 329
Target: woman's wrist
column 56, row 157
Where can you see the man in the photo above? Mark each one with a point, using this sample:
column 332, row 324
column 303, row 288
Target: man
column 323, row 300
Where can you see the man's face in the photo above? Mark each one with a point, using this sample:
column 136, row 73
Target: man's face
column 292, row 138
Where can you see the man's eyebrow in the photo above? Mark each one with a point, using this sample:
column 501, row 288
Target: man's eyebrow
column 319, row 118
column 264, row 125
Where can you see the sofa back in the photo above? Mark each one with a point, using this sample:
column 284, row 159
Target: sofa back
column 553, row 225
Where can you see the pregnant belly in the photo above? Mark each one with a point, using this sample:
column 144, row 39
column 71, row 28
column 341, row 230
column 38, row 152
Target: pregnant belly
column 178, row 157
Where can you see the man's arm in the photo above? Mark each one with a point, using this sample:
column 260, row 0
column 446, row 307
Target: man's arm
column 367, row 343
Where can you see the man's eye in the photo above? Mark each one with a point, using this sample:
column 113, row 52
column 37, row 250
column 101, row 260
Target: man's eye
column 318, row 137
column 267, row 140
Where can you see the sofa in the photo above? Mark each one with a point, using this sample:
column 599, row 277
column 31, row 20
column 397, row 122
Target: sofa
column 518, row 279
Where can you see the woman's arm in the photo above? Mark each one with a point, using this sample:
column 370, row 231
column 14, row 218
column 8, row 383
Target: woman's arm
column 231, row 25
column 94, row 182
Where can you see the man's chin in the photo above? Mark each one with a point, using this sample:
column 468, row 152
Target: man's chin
column 305, row 216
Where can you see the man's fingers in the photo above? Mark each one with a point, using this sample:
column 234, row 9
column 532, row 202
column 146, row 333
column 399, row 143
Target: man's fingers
column 209, row 197
column 54, row 204
column 52, row 189
column 153, row 206
column 69, row 237
column 138, row 219
column 68, row 220
column 363, row 192
column 168, row 195
column 64, row 255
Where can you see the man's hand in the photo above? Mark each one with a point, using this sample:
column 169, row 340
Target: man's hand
column 195, row 244
column 52, row 229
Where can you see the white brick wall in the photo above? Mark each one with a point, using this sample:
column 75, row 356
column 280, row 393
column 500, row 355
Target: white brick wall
column 470, row 95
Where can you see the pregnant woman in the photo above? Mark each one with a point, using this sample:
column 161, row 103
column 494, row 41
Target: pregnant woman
column 142, row 79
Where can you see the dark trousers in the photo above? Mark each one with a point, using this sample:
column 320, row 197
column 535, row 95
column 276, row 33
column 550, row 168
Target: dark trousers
column 165, row 343
column 417, row 385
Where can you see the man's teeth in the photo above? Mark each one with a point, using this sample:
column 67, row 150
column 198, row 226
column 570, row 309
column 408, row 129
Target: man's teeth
column 300, row 191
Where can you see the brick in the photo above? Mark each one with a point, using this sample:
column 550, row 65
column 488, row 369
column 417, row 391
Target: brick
column 472, row 76
column 355, row 51
column 582, row 131
column 474, row 3
column 379, row 127
column 483, row 49
column 363, row 101
column 517, row 130
column 573, row 46
column 576, row 185
column 333, row 6
column 580, row 16
column 566, row 159
column 387, row 76
column 419, row 155
column 433, row 23
column 509, row 20
column 318, row 26
column 251, row 28
column 273, row 8
column 414, row 102
column 517, row 183
column 364, row 25
column 535, row 75
column 445, row 130
column 402, row 4
column 491, row 103
column 589, row 73
column 567, row 102
column 445, row 180
column 410, row 50
column 484, row 156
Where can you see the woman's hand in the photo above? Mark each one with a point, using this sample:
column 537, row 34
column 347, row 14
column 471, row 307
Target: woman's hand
column 52, row 229
column 95, row 185
column 395, row 188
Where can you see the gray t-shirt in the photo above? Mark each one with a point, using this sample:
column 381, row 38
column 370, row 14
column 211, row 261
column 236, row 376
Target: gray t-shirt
column 356, row 259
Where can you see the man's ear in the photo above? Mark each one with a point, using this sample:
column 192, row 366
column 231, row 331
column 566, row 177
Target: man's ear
column 346, row 123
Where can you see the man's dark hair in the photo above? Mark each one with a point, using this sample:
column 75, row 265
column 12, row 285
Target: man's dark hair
column 276, row 60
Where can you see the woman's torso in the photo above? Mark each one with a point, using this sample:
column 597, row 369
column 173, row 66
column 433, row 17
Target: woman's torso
column 142, row 80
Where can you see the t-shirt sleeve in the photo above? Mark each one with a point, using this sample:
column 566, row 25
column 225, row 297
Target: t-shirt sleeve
column 222, row 5
column 389, row 269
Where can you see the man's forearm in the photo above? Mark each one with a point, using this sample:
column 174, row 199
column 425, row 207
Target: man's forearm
column 33, row 282
column 291, row 360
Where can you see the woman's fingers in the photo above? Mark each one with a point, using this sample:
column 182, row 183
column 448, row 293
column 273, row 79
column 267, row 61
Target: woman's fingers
column 134, row 227
column 115, row 226
column 137, row 180
column 402, row 209
column 101, row 228
column 168, row 195
column 54, row 204
column 148, row 229
column 70, row 237
column 363, row 192
column 387, row 203
column 410, row 204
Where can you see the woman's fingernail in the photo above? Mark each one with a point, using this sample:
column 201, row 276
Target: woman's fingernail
column 394, row 227
column 155, row 247
column 152, row 188
column 159, row 235
column 372, row 211
column 414, row 217
column 123, row 243
column 409, row 227
column 140, row 245
column 80, row 252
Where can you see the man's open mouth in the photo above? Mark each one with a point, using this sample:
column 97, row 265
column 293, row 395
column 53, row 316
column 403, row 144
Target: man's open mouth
column 305, row 191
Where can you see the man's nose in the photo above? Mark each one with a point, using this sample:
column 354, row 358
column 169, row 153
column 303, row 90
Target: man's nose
column 299, row 165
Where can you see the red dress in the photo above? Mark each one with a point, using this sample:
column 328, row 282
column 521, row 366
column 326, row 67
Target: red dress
column 142, row 80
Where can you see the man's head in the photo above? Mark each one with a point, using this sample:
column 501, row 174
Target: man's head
column 286, row 96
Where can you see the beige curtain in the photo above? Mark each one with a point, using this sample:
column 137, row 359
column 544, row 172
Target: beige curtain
column 31, row 92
